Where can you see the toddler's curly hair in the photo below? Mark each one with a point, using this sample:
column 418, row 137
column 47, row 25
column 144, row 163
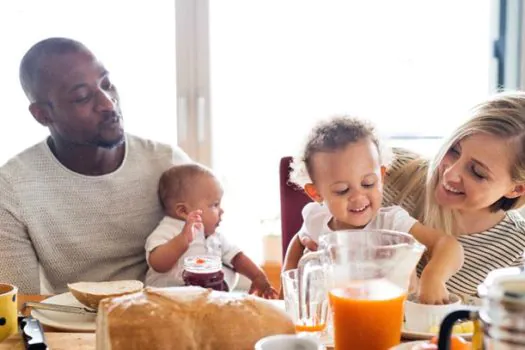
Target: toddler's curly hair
column 331, row 135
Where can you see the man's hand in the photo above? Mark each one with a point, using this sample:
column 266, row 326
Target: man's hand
column 309, row 243
column 193, row 225
column 262, row 288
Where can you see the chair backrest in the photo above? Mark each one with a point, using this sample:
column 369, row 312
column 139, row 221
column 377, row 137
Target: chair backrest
column 293, row 199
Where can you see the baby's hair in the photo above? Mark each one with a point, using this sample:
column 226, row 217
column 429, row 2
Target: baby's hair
column 176, row 183
column 329, row 136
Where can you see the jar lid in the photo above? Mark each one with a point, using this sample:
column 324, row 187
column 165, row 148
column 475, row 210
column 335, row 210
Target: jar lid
column 202, row 264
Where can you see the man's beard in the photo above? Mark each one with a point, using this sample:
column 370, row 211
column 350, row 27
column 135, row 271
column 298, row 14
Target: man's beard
column 109, row 144
column 100, row 141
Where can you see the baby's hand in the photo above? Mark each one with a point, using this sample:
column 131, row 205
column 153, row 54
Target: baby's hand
column 193, row 224
column 432, row 291
column 308, row 243
column 262, row 288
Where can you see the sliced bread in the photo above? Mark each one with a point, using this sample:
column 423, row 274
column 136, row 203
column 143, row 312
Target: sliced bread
column 91, row 293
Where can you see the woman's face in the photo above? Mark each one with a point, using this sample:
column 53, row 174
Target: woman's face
column 475, row 173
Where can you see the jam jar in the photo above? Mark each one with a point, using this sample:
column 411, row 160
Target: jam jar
column 204, row 271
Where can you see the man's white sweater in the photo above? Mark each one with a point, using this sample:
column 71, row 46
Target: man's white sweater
column 76, row 227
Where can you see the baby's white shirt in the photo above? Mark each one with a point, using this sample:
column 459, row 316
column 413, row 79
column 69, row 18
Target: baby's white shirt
column 316, row 218
column 165, row 231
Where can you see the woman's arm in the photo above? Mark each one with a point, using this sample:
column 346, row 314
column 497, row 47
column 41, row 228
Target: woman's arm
column 404, row 182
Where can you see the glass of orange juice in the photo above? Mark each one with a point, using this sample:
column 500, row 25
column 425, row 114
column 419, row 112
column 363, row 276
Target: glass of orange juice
column 316, row 320
column 366, row 277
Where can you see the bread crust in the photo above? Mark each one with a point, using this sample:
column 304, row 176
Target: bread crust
column 187, row 318
column 91, row 293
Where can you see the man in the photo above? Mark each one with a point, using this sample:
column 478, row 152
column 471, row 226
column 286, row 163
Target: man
column 79, row 205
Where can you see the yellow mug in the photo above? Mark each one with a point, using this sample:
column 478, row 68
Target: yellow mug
column 8, row 310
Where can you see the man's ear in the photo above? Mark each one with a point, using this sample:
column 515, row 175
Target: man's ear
column 41, row 112
column 517, row 191
column 311, row 191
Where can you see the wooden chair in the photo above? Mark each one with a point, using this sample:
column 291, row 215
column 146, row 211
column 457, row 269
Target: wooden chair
column 293, row 199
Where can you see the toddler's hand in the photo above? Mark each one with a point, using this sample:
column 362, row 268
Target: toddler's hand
column 262, row 288
column 308, row 243
column 193, row 224
column 432, row 291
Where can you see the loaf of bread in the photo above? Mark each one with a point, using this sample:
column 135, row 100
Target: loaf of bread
column 91, row 293
column 187, row 318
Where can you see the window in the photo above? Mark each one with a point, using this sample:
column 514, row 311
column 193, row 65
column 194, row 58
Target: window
column 276, row 67
column 237, row 83
column 135, row 40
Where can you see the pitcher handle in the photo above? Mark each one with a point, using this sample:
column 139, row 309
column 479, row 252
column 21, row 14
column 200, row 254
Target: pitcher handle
column 445, row 330
column 304, row 281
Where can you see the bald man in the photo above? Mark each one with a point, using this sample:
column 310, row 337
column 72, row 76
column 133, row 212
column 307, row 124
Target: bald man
column 79, row 205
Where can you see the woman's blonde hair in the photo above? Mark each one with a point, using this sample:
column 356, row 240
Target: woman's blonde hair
column 503, row 116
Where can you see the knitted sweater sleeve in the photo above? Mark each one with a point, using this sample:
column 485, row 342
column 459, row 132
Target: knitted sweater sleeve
column 19, row 260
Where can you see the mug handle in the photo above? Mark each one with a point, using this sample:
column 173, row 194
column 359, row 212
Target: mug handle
column 445, row 329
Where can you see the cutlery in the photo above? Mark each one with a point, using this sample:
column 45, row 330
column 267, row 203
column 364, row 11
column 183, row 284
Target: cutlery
column 32, row 333
column 61, row 308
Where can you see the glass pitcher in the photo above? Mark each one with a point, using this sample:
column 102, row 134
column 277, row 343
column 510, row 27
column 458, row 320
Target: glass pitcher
column 367, row 273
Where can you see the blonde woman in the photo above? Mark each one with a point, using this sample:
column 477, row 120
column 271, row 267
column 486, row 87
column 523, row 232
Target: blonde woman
column 470, row 188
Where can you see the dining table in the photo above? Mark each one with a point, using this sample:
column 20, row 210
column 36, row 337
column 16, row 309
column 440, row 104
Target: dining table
column 56, row 339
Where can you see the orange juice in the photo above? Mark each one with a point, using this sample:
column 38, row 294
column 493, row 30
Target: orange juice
column 309, row 328
column 367, row 315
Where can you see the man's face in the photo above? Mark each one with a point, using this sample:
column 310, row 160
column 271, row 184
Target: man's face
column 83, row 103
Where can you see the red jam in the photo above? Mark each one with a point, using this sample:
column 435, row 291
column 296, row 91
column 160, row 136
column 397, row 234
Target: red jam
column 204, row 271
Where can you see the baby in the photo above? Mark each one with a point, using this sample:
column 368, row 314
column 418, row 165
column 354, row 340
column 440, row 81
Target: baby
column 342, row 170
column 191, row 197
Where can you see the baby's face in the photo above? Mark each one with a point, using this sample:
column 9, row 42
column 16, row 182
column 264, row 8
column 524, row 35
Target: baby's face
column 207, row 197
column 350, row 183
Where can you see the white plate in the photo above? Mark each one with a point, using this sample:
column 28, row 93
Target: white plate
column 407, row 346
column 406, row 334
column 62, row 320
